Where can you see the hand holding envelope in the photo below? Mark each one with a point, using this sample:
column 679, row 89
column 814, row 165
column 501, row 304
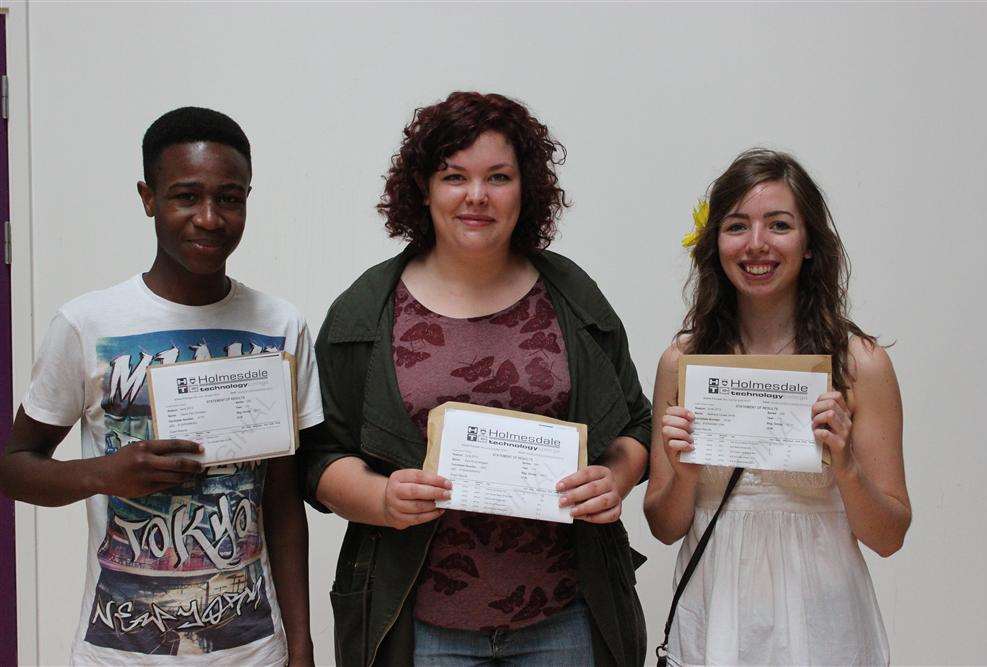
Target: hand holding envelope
column 411, row 497
column 832, row 423
column 146, row 467
column 592, row 495
column 676, row 439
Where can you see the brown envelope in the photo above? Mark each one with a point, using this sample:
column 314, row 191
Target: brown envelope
column 294, row 394
column 436, row 419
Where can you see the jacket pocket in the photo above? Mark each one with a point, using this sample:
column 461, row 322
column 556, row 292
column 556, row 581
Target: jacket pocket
column 350, row 599
column 628, row 560
column 630, row 614
column 349, row 615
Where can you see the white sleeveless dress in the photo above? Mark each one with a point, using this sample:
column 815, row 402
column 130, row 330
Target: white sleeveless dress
column 782, row 581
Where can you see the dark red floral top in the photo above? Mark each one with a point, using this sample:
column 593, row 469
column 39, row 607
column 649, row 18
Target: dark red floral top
column 485, row 572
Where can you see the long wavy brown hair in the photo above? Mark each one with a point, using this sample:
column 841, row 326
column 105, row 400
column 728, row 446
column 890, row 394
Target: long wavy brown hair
column 712, row 325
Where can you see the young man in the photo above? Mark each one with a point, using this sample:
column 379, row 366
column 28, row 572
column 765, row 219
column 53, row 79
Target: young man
column 186, row 565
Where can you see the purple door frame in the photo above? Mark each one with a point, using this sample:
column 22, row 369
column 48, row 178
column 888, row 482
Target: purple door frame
column 8, row 588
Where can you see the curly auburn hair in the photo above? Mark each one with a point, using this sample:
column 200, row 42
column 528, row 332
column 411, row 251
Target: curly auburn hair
column 438, row 131
column 822, row 325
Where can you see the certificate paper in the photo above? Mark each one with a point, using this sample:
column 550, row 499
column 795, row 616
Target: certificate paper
column 237, row 408
column 753, row 418
column 502, row 464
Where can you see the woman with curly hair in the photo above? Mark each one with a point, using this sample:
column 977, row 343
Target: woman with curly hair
column 475, row 309
column 782, row 580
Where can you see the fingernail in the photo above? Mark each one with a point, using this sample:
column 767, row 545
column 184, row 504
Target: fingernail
column 563, row 501
column 447, row 495
column 559, row 486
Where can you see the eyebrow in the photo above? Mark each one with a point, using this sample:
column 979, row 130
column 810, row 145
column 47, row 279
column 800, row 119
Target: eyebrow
column 197, row 184
column 769, row 214
column 185, row 184
column 499, row 165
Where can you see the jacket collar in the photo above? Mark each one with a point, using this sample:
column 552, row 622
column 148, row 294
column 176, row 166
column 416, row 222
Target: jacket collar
column 360, row 307
column 578, row 289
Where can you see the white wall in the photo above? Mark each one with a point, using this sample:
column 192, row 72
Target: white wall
column 883, row 103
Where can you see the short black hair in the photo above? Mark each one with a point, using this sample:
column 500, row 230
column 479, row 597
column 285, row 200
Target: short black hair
column 188, row 125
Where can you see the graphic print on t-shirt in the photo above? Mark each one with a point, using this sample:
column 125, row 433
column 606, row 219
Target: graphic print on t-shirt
column 180, row 570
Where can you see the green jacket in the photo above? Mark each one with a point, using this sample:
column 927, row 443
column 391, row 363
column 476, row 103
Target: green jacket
column 365, row 417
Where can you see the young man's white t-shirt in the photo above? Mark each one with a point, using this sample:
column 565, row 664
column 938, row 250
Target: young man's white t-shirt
column 180, row 576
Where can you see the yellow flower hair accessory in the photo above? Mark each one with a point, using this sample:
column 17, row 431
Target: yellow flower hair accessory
column 700, row 216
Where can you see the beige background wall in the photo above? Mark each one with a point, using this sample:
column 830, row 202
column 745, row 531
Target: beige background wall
column 883, row 103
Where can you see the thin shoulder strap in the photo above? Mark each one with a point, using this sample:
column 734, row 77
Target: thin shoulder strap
column 696, row 555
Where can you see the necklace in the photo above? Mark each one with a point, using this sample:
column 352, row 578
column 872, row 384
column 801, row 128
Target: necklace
column 743, row 347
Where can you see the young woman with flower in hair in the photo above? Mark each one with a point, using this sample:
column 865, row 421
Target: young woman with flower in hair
column 782, row 580
column 476, row 310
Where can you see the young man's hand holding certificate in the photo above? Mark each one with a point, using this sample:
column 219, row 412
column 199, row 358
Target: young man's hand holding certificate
column 502, row 461
column 237, row 408
column 754, row 411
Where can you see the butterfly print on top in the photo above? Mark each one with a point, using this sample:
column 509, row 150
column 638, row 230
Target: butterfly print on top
column 425, row 331
column 400, row 297
column 540, row 543
column 454, row 538
column 481, row 525
column 510, row 536
column 419, row 310
column 408, row 358
column 526, row 401
column 542, row 341
column 533, row 609
column 486, row 571
column 512, row 317
column 511, row 602
column 475, row 371
column 540, row 374
column 542, row 319
column 443, row 584
column 460, row 562
column 506, row 377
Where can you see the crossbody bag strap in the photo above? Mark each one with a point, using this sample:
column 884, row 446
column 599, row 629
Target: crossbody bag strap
column 694, row 561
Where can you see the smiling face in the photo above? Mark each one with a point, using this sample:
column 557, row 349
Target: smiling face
column 763, row 241
column 199, row 205
column 475, row 200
